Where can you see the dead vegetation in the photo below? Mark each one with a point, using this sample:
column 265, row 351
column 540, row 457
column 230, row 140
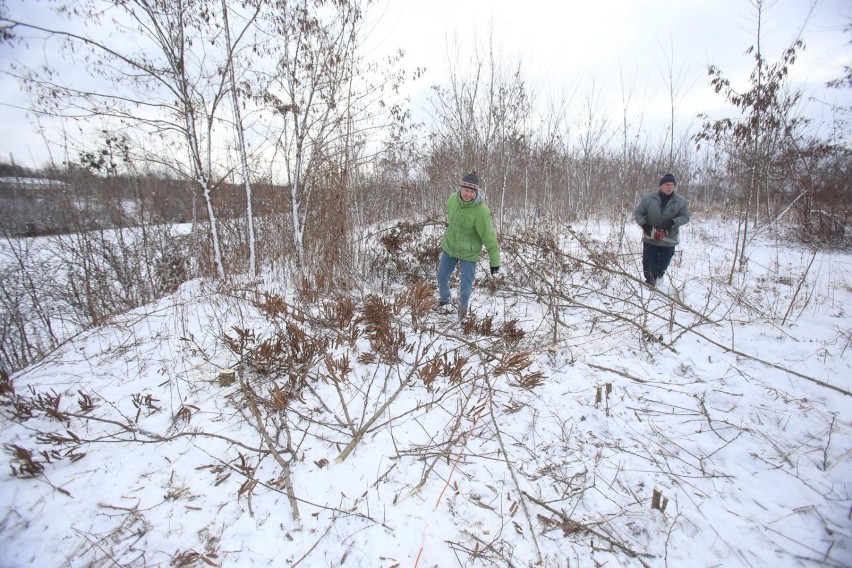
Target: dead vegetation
column 609, row 463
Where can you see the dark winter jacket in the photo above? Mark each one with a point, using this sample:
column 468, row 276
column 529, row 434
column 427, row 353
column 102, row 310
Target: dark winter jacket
column 648, row 211
column 469, row 227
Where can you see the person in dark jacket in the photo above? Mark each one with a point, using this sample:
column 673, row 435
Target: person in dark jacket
column 469, row 228
column 660, row 214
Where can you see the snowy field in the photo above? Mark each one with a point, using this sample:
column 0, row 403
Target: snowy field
column 580, row 419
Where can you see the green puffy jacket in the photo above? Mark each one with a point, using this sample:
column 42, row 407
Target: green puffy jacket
column 469, row 227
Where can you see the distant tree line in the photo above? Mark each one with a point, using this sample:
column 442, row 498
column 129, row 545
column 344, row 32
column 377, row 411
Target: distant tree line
column 43, row 202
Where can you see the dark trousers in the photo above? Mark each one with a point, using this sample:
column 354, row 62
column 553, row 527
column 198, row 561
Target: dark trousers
column 655, row 260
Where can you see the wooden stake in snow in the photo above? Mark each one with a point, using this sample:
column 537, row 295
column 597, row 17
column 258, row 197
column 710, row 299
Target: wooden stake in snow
column 655, row 498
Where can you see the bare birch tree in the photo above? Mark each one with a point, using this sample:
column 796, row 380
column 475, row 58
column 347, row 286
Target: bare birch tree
column 165, row 84
column 240, row 131
column 308, row 91
column 753, row 142
column 482, row 121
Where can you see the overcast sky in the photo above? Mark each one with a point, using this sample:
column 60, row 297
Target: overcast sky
column 569, row 45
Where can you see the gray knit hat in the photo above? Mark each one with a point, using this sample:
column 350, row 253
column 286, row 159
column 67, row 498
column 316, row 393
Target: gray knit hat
column 471, row 181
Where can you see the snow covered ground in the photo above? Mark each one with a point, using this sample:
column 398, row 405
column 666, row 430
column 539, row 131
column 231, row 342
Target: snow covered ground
column 580, row 419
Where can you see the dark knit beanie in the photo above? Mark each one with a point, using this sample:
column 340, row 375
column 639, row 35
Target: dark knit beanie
column 668, row 178
column 471, row 181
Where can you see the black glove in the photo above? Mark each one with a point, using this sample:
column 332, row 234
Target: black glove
column 667, row 225
column 646, row 228
column 495, row 270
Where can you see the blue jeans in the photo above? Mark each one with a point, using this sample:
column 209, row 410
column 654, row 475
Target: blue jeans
column 655, row 261
column 445, row 269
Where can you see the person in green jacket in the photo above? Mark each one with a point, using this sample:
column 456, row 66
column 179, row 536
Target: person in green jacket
column 469, row 228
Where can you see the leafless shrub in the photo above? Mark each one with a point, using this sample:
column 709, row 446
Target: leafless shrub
column 146, row 403
column 386, row 337
column 309, row 291
column 27, row 318
column 511, row 332
column 221, row 472
column 271, row 356
column 291, row 351
column 112, row 271
column 428, row 372
column 272, row 305
column 22, row 407
column 339, row 312
column 515, row 364
column 367, row 358
column 170, row 271
column 419, row 300
column 189, row 558
column 455, row 368
column 338, row 369
column 24, row 463
column 76, row 280
column 48, row 403
column 85, row 402
column 184, row 413
column 407, row 253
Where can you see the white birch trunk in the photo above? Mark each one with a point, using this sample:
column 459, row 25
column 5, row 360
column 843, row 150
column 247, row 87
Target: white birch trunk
column 214, row 228
column 204, row 182
column 195, row 154
column 238, row 123
column 298, row 229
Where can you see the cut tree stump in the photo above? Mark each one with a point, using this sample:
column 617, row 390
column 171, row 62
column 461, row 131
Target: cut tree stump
column 226, row 377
